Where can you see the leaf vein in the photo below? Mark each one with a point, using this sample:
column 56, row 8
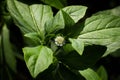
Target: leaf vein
column 22, row 17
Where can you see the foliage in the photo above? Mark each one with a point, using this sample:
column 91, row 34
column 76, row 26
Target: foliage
column 82, row 44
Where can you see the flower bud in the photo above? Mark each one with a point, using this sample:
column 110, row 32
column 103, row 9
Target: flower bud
column 59, row 41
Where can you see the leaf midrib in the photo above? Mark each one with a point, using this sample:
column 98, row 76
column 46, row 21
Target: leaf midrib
column 22, row 16
column 102, row 18
column 117, row 27
column 33, row 19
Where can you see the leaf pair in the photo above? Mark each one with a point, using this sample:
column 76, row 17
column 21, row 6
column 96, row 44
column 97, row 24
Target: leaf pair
column 32, row 19
column 102, row 30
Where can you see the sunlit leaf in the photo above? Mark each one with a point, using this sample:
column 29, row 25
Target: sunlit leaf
column 102, row 30
column 60, row 21
column 34, row 37
column 78, row 45
column 89, row 74
column 56, row 23
column 37, row 59
column 30, row 18
column 75, row 12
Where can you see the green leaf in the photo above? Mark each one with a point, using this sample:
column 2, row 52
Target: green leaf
column 34, row 37
column 69, row 22
column 67, row 19
column 37, row 59
column 102, row 30
column 68, row 48
column 55, row 3
column 64, row 2
column 112, row 48
column 75, row 12
column 102, row 73
column 30, row 18
column 53, row 46
column 7, row 49
column 78, row 45
column 90, row 56
column 115, row 11
column 56, row 23
column 89, row 74
column 60, row 20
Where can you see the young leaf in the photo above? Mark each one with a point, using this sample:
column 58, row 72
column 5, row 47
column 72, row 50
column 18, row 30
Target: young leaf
column 34, row 37
column 102, row 30
column 102, row 73
column 67, row 19
column 55, row 3
column 37, row 59
column 8, row 50
column 78, row 45
column 56, row 23
column 68, row 48
column 89, row 74
column 75, row 12
column 60, row 20
column 30, row 18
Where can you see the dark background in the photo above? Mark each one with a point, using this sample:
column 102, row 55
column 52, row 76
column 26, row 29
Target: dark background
column 95, row 5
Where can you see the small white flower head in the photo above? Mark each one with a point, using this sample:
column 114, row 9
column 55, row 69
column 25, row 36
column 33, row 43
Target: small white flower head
column 59, row 41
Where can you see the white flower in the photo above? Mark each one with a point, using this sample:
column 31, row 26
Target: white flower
column 59, row 41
